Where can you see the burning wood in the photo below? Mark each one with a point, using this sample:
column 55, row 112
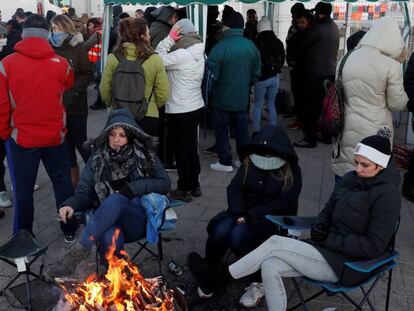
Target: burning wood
column 122, row 289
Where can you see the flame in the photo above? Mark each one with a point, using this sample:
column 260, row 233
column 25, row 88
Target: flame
column 122, row 289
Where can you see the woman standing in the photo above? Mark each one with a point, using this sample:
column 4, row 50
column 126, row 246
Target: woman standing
column 182, row 53
column 272, row 54
column 134, row 42
column 68, row 43
column 373, row 85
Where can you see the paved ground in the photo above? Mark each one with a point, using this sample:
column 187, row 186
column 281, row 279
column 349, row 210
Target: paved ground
column 190, row 233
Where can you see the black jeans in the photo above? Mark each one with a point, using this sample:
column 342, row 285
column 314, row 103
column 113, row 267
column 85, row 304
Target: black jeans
column 2, row 168
column 297, row 85
column 165, row 147
column 182, row 129
column 76, row 136
column 149, row 125
column 315, row 94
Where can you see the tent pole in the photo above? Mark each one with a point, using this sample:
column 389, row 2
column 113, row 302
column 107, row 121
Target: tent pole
column 107, row 23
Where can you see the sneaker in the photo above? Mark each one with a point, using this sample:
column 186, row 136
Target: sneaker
column 203, row 293
column 181, row 195
column 221, row 168
column 5, row 200
column 252, row 295
column 196, row 192
column 297, row 125
column 212, row 150
column 70, row 237
column 170, row 167
column 68, row 264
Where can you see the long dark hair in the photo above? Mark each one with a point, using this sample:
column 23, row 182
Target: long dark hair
column 132, row 30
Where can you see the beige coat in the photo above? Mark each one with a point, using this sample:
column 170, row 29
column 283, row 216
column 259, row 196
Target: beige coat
column 373, row 84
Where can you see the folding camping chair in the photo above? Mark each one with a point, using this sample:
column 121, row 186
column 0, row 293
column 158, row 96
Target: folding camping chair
column 15, row 253
column 374, row 269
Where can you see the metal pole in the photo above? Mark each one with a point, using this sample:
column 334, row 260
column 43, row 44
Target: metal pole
column 347, row 26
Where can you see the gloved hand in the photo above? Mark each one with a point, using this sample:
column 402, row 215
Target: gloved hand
column 175, row 33
column 319, row 232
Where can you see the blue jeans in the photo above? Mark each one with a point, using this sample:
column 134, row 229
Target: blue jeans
column 221, row 121
column 115, row 212
column 226, row 234
column 267, row 88
column 23, row 167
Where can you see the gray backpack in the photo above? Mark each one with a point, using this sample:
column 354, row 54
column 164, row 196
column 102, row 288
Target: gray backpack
column 128, row 86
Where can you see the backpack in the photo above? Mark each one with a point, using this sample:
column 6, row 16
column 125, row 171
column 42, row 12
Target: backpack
column 332, row 119
column 128, row 86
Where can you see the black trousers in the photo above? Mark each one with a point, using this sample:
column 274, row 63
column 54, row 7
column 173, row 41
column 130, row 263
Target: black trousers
column 165, row 148
column 297, row 85
column 2, row 168
column 149, row 125
column 182, row 129
column 315, row 94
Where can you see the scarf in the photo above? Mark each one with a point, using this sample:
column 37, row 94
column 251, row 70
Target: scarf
column 187, row 40
column 117, row 167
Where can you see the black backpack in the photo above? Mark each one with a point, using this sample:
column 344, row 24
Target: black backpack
column 128, row 86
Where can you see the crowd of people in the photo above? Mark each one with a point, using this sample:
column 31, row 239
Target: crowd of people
column 152, row 84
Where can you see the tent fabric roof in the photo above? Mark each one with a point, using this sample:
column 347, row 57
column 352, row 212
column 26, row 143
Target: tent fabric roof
column 209, row 2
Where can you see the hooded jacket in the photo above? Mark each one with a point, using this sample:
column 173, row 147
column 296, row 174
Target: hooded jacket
column 76, row 99
column 362, row 215
column 85, row 194
column 160, row 28
column 272, row 53
column 156, row 80
column 32, row 83
column 254, row 193
column 185, row 69
column 235, row 64
column 373, row 86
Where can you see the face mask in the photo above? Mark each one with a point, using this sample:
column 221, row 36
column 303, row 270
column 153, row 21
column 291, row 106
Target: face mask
column 267, row 163
column 57, row 38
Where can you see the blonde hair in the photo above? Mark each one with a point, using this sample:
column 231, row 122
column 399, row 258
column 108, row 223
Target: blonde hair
column 64, row 23
column 283, row 174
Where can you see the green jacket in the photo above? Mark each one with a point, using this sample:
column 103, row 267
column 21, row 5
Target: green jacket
column 235, row 64
column 155, row 77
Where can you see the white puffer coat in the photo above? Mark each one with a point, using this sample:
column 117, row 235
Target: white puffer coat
column 185, row 70
column 373, row 84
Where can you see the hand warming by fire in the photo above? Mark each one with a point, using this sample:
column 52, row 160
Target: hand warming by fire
column 122, row 289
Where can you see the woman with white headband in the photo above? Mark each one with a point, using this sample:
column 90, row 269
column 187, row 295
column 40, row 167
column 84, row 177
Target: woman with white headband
column 357, row 223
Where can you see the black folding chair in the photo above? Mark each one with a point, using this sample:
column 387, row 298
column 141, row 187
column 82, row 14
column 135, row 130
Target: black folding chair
column 21, row 247
column 375, row 269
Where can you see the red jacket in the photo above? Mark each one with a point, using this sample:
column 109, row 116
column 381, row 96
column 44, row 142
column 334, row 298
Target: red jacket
column 32, row 83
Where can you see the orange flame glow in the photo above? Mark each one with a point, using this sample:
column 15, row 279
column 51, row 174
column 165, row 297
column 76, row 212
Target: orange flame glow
column 122, row 289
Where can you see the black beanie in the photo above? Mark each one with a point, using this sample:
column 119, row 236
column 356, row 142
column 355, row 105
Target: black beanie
column 36, row 21
column 233, row 20
column 376, row 148
column 296, row 8
column 323, row 8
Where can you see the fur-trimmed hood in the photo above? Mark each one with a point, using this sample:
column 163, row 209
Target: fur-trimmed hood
column 75, row 39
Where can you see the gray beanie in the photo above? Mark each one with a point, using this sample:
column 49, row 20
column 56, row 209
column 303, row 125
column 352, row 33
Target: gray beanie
column 186, row 26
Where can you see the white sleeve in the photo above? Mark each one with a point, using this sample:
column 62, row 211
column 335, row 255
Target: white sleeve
column 172, row 60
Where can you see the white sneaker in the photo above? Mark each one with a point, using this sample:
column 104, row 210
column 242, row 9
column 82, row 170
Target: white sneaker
column 5, row 200
column 202, row 294
column 252, row 295
column 221, row 168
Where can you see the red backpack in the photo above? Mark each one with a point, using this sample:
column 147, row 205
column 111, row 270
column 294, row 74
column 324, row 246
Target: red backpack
column 332, row 120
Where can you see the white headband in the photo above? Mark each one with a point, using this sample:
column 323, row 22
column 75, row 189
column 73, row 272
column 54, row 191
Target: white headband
column 372, row 154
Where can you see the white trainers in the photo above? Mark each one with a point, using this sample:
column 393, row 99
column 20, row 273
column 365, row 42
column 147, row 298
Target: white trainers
column 5, row 200
column 252, row 295
column 221, row 168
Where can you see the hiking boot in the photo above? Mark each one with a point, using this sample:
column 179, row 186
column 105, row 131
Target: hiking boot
column 68, row 264
column 221, row 168
column 181, row 195
column 196, row 192
column 252, row 296
column 5, row 200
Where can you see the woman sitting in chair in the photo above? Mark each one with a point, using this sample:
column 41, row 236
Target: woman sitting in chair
column 357, row 223
column 123, row 167
column 268, row 182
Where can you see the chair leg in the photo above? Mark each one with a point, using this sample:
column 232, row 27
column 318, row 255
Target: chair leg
column 28, row 291
column 389, row 283
column 368, row 301
column 160, row 253
column 97, row 259
column 303, row 302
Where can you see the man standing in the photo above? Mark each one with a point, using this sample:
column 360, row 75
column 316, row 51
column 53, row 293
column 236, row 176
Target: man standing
column 165, row 18
column 33, row 119
column 250, row 29
column 235, row 64
column 321, row 44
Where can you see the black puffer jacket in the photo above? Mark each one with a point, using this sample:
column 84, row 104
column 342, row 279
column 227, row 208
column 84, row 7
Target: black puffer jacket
column 272, row 54
column 321, row 45
column 254, row 193
column 361, row 215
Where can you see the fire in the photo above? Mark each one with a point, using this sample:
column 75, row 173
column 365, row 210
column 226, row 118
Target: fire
column 122, row 289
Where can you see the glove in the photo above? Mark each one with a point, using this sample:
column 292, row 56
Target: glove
column 175, row 33
column 319, row 233
column 126, row 191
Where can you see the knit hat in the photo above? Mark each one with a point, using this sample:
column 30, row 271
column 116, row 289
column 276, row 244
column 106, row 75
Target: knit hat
column 263, row 24
column 376, row 148
column 323, row 8
column 233, row 20
column 296, row 8
column 35, row 26
column 186, row 26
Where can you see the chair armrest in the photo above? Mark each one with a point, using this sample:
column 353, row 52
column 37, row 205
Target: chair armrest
column 292, row 222
column 367, row 266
